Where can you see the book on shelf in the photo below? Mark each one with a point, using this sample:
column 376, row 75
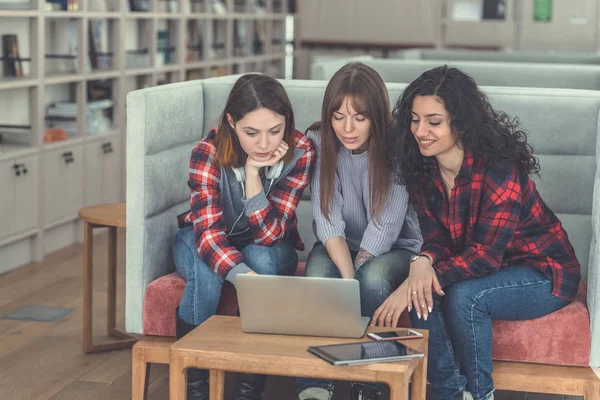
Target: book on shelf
column 195, row 40
column 194, row 74
column 139, row 5
column 73, row 5
column 99, row 58
column 240, row 35
column 59, row 5
column 163, row 43
column 11, row 58
column 218, row 7
column 72, row 44
column 99, row 90
column 52, row 135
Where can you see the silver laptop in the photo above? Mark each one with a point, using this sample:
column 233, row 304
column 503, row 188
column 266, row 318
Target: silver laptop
column 292, row 305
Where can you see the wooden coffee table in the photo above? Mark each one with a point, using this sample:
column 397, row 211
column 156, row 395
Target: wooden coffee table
column 219, row 345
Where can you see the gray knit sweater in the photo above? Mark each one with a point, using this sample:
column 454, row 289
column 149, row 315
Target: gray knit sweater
column 349, row 218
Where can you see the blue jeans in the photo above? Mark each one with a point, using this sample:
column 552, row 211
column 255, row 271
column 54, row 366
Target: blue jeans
column 377, row 279
column 460, row 326
column 203, row 288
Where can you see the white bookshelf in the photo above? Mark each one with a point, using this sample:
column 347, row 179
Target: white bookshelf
column 44, row 184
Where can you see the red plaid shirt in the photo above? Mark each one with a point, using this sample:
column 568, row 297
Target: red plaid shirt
column 494, row 218
column 268, row 225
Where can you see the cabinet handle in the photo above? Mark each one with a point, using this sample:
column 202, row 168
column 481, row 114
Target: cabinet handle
column 68, row 156
column 20, row 169
column 107, row 147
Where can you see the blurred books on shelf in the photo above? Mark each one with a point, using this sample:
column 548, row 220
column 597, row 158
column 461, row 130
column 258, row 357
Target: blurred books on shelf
column 98, row 117
column 63, row 5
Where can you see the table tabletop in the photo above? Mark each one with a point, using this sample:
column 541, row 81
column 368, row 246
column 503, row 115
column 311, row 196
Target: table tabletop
column 104, row 214
column 221, row 342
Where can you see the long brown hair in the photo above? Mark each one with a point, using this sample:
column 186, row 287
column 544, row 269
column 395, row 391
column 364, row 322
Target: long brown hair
column 369, row 95
column 251, row 92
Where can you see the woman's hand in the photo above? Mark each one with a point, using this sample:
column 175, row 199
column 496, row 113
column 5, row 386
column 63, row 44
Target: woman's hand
column 420, row 281
column 253, row 165
column 389, row 312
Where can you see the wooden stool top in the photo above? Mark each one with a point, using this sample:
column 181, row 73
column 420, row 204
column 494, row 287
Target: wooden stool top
column 104, row 214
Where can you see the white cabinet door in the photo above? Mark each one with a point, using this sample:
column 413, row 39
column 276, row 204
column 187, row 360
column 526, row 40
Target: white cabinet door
column 7, row 197
column 112, row 172
column 26, row 196
column 103, row 172
column 94, row 156
column 63, row 183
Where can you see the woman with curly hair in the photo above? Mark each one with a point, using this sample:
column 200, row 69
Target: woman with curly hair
column 492, row 248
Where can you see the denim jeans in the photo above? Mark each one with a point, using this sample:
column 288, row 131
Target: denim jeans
column 460, row 326
column 203, row 288
column 377, row 279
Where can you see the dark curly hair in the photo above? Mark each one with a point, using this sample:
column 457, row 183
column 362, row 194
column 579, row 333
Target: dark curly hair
column 476, row 127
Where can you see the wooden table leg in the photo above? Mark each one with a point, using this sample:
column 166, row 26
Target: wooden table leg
column 216, row 384
column 111, row 320
column 418, row 387
column 88, row 256
column 125, row 340
column 399, row 387
column 177, row 380
column 591, row 391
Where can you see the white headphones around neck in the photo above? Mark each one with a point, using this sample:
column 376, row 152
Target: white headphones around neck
column 271, row 173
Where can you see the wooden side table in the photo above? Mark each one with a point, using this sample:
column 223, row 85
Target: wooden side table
column 109, row 216
column 220, row 345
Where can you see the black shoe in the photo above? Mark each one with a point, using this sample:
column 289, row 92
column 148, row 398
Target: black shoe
column 249, row 387
column 363, row 392
column 197, row 379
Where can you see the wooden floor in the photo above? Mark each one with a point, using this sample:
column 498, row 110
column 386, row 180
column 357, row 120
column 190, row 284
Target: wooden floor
column 44, row 361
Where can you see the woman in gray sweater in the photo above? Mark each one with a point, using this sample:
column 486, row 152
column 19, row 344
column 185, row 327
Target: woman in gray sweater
column 366, row 228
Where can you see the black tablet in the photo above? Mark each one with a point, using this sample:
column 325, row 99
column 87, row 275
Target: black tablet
column 365, row 352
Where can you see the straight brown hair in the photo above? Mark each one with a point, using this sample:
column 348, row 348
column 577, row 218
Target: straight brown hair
column 251, row 92
column 365, row 87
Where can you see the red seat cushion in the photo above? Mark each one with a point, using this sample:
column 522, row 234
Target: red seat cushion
column 560, row 338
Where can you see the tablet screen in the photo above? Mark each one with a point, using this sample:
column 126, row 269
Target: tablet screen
column 365, row 352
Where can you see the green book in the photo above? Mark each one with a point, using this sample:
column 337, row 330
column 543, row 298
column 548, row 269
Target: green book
column 542, row 10
column 164, row 45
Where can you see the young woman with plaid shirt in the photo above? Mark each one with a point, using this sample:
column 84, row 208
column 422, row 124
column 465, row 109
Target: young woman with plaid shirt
column 492, row 248
column 246, row 178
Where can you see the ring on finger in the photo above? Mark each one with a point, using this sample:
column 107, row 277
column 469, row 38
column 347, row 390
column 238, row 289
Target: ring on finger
column 414, row 292
column 389, row 315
